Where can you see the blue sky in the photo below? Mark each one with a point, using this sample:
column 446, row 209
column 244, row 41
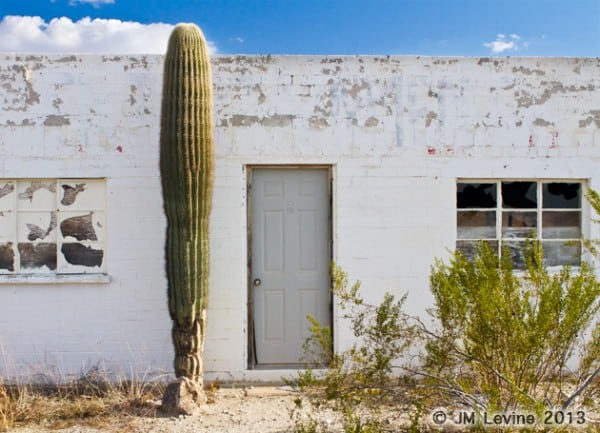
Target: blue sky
column 413, row 27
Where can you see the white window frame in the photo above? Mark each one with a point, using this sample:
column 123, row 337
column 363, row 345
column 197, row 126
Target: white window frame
column 499, row 210
column 77, row 274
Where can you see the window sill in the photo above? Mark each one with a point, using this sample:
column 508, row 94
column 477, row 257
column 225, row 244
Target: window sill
column 55, row 279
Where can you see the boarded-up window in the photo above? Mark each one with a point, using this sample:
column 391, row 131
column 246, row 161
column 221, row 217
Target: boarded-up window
column 52, row 226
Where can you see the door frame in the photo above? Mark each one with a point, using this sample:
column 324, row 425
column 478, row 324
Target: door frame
column 249, row 169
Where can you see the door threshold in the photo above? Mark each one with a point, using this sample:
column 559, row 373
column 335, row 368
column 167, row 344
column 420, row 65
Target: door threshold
column 280, row 367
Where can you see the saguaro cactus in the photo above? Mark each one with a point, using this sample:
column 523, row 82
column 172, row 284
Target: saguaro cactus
column 186, row 169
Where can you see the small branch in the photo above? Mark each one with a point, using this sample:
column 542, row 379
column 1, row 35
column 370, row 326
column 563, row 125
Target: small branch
column 579, row 390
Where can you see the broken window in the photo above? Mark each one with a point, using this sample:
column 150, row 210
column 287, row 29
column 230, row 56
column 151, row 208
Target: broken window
column 506, row 213
column 52, row 226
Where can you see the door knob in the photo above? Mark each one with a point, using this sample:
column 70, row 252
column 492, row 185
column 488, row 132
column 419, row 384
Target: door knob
column 257, row 282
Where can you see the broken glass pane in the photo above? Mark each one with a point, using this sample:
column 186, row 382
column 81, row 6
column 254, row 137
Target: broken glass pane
column 81, row 194
column 8, row 224
column 36, row 226
column 7, row 196
column 561, row 195
column 517, row 252
column 475, row 195
column 476, row 224
column 82, row 255
column 36, row 194
column 519, row 224
column 7, row 258
column 561, row 253
column 561, row 225
column 37, row 257
column 519, row 195
column 79, row 227
column 469, row 248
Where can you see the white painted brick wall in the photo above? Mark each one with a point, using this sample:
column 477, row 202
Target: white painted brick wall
column 398, row 132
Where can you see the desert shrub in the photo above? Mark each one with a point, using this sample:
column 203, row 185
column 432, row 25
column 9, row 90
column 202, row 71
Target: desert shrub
column 501, row 340
column 506, row 339
column 362, row 382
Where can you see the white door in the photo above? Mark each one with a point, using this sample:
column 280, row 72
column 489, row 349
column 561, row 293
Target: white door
column 290, row 260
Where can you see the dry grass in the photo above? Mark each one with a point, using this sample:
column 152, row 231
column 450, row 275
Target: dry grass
column 91, row 400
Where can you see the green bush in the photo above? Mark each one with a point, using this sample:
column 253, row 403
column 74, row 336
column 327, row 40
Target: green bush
column 506, row 338
column 502, row 340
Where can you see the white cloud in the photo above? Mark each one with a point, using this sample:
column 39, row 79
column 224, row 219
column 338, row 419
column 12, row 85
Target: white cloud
column 504, row 43
column 62, row 35
column 95, row 3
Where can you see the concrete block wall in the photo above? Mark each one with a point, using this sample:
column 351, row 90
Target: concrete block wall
column 397, row 132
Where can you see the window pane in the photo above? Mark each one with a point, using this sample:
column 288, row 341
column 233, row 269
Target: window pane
column 561, row 195
column 519, row 224
column 517, row 253
column 557, row 253
column 469, row 248
column 37, row 257
column 519, row 195
column 475, row 195
column 476, row 224
column 561, row 225
column 7, row 257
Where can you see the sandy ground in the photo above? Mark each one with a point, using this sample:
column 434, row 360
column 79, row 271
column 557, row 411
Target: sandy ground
column 252, row 410
column 264, row 410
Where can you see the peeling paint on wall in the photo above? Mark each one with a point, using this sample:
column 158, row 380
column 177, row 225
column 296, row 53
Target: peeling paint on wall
column 431, row 116
column 526, row 99
column 371, row 122
column 55, row 120
column 594, row 117
column 527, row 71
column 542, row 122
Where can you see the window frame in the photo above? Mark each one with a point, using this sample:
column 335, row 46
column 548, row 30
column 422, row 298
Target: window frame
column 499, row 211
column 59, row 211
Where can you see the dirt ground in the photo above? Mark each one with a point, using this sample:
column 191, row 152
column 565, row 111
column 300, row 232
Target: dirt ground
column 264, row 410
column 251, row 410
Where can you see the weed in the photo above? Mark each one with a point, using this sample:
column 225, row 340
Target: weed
column 88, row 400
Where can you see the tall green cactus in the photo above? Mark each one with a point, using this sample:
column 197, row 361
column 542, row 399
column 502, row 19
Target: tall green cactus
column 186, row 169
